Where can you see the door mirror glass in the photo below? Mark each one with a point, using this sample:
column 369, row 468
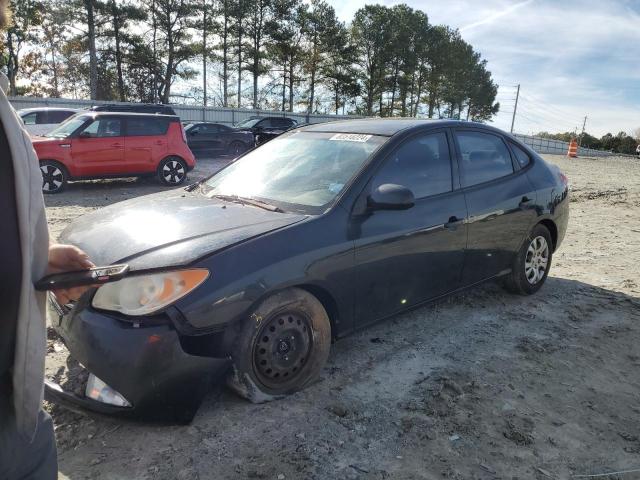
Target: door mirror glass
column 390, row 196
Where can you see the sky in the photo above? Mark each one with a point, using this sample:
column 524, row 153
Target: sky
column 571, row 58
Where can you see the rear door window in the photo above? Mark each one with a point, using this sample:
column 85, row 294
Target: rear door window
column 421, row 163
column 147, row 126
column 485, row 157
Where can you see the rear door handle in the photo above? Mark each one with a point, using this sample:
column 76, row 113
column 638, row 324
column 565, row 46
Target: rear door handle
column 453, row 223
column 116, row 145
column 159, row 142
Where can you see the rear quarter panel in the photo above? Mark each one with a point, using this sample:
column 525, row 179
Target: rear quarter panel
column 553, row 195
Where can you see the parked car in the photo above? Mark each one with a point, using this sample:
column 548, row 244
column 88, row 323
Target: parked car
column 39, row 121
column 638, row 151
column 215, row 138
column 135, row 108
column 252, row 272
column 103, row 144
column 266, row 128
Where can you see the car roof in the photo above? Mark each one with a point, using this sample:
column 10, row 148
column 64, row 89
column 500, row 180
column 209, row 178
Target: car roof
column 48, row 109
column 382, row 126
column 130, row 115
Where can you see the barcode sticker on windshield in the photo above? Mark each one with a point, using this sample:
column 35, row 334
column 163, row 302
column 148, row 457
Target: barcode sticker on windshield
column 351, row 137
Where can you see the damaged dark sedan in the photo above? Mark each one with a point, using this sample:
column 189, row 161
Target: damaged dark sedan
column 249, row 275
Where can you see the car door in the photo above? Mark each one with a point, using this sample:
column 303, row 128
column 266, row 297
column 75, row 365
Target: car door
column 99, row 148
column 500, row 200
column 404, row 257
column 145, row 143
column 212, row 138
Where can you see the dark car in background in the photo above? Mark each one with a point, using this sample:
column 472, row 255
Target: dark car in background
column 324, row 230
column 216, row 139
column 156, row 108
column 266, row 128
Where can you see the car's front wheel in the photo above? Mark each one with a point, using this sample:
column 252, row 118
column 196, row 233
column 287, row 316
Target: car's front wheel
column 236, row 148
column 172, row 171
column 281, row 348
column 54, row 176
column 531, row 265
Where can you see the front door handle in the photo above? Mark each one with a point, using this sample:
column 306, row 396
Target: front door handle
column 117, row 145
column 453, row 223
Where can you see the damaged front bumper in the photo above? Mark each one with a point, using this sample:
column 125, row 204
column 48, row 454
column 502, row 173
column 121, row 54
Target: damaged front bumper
column 145, row 363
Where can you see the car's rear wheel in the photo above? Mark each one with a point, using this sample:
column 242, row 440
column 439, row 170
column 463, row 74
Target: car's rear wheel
column 281, row 348
column 236, row 148
column 54, row 176
column 531, row 265
column 172, row 171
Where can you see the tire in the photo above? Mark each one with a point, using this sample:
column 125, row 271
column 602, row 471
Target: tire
column 532, row 263
column 172, row 171
column 281, row 348
column 236, row 148
column 54, row 176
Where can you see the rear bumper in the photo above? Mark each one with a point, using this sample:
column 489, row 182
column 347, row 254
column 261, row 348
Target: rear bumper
column 147, row 365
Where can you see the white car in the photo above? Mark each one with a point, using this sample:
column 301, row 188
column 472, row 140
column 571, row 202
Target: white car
column 40, row 121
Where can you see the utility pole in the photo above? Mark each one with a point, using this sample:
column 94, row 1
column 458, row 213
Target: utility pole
column 582, row 134
column 515, row 107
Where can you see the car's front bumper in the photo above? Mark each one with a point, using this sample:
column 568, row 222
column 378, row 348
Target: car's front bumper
column 145, row 364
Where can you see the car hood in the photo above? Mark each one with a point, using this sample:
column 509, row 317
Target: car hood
column 169, row 229
column 40, row 140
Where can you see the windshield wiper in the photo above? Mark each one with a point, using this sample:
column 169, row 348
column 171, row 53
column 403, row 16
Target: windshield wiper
column 249, row 201
column 193, row 186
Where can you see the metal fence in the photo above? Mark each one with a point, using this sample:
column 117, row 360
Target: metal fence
column 231, row 116
column 558, row 147
column 187, row 113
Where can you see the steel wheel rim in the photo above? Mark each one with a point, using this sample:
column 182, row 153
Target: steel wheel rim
column 282, row 348
column 173, row 171
column 536, row 260
column 52, row 177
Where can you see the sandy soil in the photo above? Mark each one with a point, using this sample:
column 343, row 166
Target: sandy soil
column 484, row 385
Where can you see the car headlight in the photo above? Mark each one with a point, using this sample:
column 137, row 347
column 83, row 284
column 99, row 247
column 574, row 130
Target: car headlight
column 145, row 294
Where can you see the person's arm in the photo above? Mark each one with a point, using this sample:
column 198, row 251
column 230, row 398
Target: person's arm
column 66, row 258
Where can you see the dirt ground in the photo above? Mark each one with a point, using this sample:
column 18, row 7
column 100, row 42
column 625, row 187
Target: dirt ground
column 484, row 385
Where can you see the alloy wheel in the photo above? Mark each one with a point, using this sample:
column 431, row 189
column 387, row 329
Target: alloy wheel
column 173, row 171
column 536, row 260
column 52, row 178
column 282, row 348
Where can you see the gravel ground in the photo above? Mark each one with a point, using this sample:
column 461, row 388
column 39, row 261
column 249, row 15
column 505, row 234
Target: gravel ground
column 484, row 385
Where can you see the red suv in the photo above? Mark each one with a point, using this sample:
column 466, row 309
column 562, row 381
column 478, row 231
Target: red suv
column 103, row 145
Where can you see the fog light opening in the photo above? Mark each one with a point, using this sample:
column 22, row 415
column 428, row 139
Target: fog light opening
column 101, row 392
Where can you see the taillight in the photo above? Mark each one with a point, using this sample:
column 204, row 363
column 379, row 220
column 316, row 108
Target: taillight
column 184, row 135
column 564, row 179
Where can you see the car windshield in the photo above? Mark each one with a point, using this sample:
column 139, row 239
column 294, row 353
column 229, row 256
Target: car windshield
column 302, row 171
column 67, row 127
column 250, row 122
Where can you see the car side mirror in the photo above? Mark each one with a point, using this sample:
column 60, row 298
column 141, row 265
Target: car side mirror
column 193, row 132
column 84, row 135
column 390, row 196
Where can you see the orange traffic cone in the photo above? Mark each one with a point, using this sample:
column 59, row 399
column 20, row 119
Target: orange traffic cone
column 573, row 149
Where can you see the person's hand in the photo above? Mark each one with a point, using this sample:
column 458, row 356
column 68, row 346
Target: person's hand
column 67, row 258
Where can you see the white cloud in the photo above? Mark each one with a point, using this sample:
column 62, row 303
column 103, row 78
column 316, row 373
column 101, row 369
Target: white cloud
column 572, row 58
